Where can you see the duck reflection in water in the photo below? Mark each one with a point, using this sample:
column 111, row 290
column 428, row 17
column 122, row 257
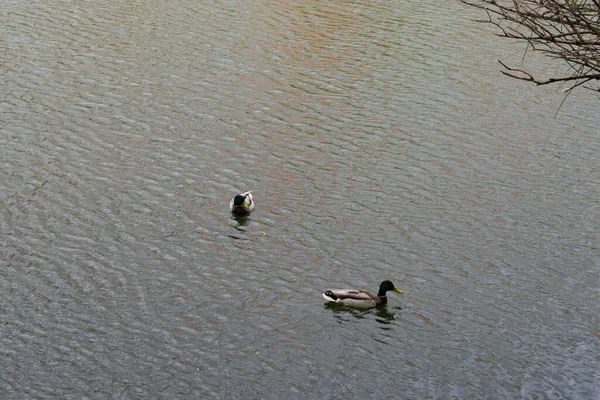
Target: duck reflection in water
column 242, row 220
column 382, row 313
column 240, row 224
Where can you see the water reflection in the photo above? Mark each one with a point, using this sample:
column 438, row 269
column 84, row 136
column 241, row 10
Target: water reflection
column 240, row 226
column 242, row 220
column 383, row 314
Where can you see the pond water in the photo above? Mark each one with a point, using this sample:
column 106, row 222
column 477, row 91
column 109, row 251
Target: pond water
column 380, row 141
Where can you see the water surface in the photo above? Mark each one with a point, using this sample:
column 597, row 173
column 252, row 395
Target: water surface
column 380, row 142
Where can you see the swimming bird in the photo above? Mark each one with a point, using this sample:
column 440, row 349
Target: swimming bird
column 359, row 297
column 242, row 203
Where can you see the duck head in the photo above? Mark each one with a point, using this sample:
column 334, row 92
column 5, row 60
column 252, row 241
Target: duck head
column 239, row 199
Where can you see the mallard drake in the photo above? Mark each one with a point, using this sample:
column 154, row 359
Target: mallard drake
column 242, row 203
column 359, row 297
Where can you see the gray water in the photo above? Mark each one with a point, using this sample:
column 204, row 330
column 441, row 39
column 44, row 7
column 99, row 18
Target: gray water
column 380, row 141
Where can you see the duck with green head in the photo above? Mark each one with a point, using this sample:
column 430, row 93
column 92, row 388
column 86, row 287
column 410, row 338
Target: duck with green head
column 359, row 297
column 242, row 203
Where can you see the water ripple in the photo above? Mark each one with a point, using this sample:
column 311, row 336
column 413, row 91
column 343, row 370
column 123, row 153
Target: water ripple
column 375, row 149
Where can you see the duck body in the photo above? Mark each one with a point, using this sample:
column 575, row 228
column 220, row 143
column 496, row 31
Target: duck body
column 242, row 203
column 361, row 298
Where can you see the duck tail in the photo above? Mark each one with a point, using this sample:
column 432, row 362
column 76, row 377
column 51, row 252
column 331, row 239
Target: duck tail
column 329, row 296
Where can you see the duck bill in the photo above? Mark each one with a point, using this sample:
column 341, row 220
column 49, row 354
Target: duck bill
column 397, row 290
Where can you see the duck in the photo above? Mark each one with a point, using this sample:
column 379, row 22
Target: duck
column 242, row 203
column 361, row 298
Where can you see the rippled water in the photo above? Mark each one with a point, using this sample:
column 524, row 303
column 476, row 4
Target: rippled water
column 380, row 141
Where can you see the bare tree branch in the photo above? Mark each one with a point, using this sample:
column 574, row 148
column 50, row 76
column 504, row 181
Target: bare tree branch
column 567, row 30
